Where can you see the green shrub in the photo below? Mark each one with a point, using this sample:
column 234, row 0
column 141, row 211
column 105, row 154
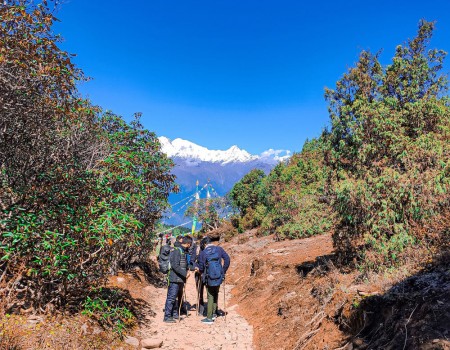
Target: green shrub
column 298, row 204
column 109, row 308
column 80, row 190
column 390, row 150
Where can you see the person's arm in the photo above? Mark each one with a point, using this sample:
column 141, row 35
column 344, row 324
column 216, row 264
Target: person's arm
column 201, row 262
column 194, row 255
column 175, row 258
column 226, row 260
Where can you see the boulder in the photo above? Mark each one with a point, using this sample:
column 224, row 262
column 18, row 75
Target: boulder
column 131, row 341
column 150, row 343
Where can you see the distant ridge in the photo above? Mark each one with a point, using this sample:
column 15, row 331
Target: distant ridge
column 180, row 148
column 222, row 168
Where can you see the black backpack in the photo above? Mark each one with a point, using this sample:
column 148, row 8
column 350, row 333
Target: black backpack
column 214, row 270
column 164, row 258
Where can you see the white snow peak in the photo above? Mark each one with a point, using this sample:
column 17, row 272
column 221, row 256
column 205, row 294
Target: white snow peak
column 185, row 149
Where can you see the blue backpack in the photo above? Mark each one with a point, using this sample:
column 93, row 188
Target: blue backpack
column 214, row 270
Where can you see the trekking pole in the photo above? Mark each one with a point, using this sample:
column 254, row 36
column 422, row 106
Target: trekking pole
column 185, row 302
column 198, row 296
column 179, row 308
column 224, row 302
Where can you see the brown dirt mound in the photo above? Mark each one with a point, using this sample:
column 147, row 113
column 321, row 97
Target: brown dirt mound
column 296, row 297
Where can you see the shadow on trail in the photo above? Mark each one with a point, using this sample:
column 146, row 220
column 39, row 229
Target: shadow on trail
column 413, row 314
column 110, row 307
column 318, row 267
column 151, row 273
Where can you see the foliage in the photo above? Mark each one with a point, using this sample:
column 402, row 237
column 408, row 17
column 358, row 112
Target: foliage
column 210, row 212
column 108, row 307
column 172, row 229
column 390, row 149
column 247, row 197
column 298, row 205
column 292, row 200
column 380, row 175
column 135, row 181
column 246, row 193
column 80, row 189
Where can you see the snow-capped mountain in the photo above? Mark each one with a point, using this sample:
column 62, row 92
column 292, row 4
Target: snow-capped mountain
column 222, row 169
column 180, row 148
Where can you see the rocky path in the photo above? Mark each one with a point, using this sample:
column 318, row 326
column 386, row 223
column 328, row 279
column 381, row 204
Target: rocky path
column 231, row 333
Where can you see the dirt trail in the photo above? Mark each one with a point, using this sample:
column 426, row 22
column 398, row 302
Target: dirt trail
column 294, row 295
column 190, row 333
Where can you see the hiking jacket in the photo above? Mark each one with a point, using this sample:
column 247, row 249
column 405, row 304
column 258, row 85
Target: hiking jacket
column 222, row 255
column 193, row 253
column 178, row 264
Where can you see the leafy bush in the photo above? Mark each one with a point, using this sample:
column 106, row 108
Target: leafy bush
column 390, row 149
column 210, row 212
column 109, row 308
column 80, row 190
column 290, row 200
column 247, row 193
column 298, row 204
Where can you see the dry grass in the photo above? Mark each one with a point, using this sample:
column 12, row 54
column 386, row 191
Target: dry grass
column 56, row 333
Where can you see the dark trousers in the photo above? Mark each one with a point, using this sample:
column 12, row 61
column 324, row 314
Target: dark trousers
column 213, row 299
column 200, row 288
column 180, row 300
column 173, row 291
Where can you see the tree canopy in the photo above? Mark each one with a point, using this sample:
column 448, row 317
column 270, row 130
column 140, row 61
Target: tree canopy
column 380, row 174
column 80, row 189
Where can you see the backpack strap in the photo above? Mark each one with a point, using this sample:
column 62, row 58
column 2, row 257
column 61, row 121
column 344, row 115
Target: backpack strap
column 181, row 250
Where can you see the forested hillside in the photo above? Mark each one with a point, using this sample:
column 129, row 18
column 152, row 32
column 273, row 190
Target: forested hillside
column 81, row 190
column 379, row 177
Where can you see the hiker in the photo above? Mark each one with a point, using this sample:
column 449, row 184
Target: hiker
column 163, row 257
column 177, row 278
column 158, row 244
column 213, row 274
column 192, row 255
column 190, row 267
column 198, row 276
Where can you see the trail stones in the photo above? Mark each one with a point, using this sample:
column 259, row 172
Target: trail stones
column 234, row 334
column 132, row 341
column 270, row 278
column 149, row 343
column 84, row 329
column 289, row 296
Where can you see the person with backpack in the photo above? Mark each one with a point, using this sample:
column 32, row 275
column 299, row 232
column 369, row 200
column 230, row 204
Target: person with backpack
column 213, row 274
column 192, row 255
column 163, row 257
column 176, row 279
column 158, row 245
column 198, row 276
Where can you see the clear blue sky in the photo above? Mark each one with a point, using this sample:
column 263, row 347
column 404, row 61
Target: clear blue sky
column 219, row 73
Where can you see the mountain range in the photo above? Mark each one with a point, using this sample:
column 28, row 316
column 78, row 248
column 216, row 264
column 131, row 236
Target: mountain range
column 220, row 168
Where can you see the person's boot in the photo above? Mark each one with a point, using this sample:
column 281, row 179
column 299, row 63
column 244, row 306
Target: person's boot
column 220, row 313
column 169, row 320
column 208, row 320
